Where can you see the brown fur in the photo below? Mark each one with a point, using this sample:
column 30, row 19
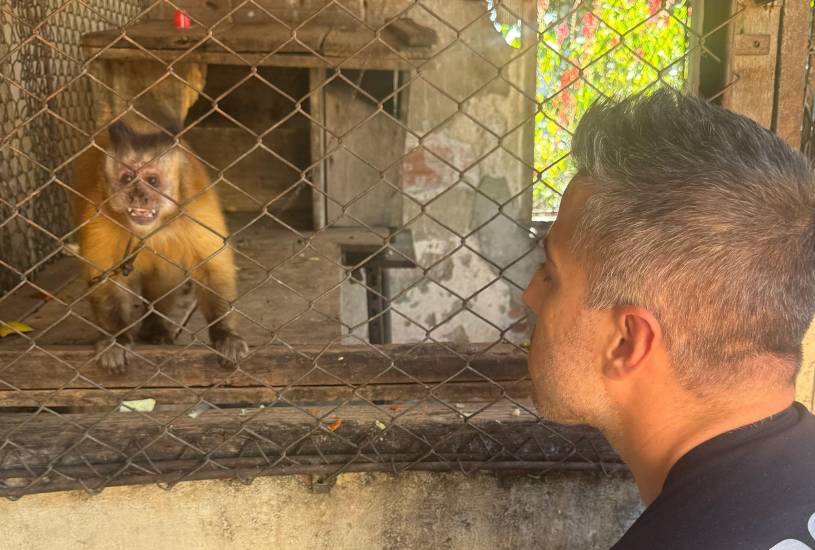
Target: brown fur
column 192, row 239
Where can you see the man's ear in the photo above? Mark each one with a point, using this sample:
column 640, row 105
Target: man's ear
column 636, row 332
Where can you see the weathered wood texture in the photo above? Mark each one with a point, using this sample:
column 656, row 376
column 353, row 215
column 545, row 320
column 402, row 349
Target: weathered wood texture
column 49, row 452
column 334, row 38
column 208, row 12
column 752, row 61
column 289, row 288
column 364, row 148
column 792, row 71
column 405, row 371
column 318, row 166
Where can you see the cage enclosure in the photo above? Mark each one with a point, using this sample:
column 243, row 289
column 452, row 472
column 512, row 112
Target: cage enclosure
column 386, row 170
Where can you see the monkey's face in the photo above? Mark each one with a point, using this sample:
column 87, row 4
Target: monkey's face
column 143, row 189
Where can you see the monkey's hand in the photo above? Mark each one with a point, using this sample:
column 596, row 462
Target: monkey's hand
column 230, row 347
column 111, row 356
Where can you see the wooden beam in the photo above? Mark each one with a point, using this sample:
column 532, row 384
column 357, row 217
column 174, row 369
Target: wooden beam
column 752, row 60
column 303, row 395
column 792, row 71
column 155, row 367
column 43, row 451
column 386, row 61
column 320, row 43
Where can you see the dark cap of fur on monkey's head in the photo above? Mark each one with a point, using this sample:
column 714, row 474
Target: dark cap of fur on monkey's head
column 124, row 137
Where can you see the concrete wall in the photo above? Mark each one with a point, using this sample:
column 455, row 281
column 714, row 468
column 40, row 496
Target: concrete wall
column 363, row 511
column 467, row 173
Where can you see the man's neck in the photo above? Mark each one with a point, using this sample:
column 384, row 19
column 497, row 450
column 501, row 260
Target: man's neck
column 652, row 439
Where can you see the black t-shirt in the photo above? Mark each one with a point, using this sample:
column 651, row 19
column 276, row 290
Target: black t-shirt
column 751, row 488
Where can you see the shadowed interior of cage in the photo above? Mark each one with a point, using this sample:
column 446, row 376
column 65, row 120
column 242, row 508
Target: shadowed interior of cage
column 385, row 172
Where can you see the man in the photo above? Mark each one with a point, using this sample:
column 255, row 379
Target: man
column 678, row 285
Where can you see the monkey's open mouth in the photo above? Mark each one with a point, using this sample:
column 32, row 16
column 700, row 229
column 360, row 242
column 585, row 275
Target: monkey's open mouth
column 142, row 215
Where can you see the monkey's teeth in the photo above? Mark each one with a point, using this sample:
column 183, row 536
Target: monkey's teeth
column 143, row 212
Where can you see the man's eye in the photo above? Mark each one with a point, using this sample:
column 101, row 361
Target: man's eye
column 544, row 272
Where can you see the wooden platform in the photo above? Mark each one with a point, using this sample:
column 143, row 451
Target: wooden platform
column 289, row 287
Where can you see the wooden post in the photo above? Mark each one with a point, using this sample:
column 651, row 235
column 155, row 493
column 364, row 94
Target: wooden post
column 752, row 60
column 317, row 78
column 792, row 59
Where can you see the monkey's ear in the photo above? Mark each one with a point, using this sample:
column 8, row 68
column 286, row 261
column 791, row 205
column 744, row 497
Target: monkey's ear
column 120, row 135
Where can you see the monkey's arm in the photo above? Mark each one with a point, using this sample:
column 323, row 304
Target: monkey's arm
column 102, row 248
column 217, row 290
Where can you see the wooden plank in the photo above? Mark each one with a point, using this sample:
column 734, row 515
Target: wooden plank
column 694, row 56
column 210, row 11
column 792, row 71
column 271, row 366
column 259, row 59
column 394, row 394
column 19, row 304
column 316, row 98
column 252, row 176
column 365, row 148
column 752, row 60
column 246, row 38
column 295, row 13
column 97, row 450
column 307, row 45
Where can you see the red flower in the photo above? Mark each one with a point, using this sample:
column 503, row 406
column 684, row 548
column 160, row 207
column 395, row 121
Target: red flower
column 568, row 77
column 654, row 6
column 562, row 32
column 563, row 119
column 590, row 24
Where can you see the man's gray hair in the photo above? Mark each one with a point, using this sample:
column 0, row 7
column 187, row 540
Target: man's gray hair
column 707, row 220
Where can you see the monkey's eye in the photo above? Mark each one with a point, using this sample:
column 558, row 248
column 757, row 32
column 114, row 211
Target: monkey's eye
column 126, row 178
column 152, row 180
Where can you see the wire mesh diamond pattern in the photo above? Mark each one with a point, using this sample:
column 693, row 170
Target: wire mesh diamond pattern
column 385, row 171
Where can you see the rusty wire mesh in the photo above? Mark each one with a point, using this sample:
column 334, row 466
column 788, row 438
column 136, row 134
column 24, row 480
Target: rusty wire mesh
column 384, row 184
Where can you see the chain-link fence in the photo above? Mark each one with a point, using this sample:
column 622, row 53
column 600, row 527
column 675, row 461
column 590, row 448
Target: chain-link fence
column 385, row 170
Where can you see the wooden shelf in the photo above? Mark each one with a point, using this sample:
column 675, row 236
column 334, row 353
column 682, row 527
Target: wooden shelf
column 318, row 43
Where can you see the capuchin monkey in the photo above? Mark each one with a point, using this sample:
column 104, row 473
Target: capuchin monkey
column 149, row 221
